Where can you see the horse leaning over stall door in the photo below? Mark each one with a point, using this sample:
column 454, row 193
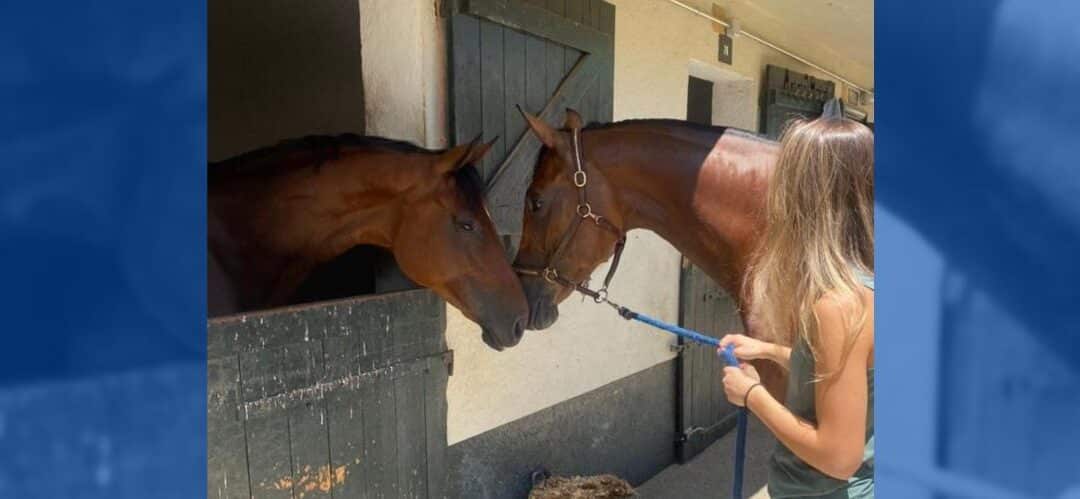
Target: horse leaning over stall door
column 277, row 213
column 701, row 188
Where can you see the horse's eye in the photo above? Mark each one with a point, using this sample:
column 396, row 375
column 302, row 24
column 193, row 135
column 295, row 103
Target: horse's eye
column 467, row 226
column 537, row 204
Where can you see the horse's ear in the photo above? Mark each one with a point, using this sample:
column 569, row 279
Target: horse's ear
column 549, row 136
column 465, row 154
column 573, row 120
column 478, row 151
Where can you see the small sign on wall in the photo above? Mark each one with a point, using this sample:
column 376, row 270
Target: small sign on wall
column 726, row 49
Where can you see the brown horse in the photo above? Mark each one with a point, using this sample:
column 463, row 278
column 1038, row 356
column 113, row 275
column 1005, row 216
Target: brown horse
column 701, row 188
column 277, row 213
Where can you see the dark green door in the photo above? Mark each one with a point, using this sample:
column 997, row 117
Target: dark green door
column 544, row 56
column 787, row 95
column 702, row 413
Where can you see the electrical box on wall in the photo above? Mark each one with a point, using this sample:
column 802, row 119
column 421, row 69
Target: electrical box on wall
column 726, row 49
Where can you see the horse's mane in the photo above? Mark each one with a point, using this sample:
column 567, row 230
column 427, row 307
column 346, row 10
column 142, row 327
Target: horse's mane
column 688, row 125
column 304, row 151
column 315, row 149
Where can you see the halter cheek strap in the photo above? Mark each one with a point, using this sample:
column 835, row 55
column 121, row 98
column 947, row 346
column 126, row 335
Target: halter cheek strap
column 583, row 211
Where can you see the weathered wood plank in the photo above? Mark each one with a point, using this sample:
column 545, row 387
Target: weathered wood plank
column 380, row 433
column 575, row 11
column 557, row 6
column 465, row 79
column 514, row 86
column 555, row 67
column 268, row 455
column 592, row 14
column 556, row 52
column 411, row 428
column 536, row 93
column 312, row 474
column 435, row 415
column 607, row 18
column 607, row 97
column 227, row 464
column 348, row 451
column 261, row 374
column 302, row 364
column 341, row 357
column 493, row 103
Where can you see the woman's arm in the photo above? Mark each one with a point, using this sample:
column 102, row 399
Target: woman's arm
column 781, row 355
column 835, row 446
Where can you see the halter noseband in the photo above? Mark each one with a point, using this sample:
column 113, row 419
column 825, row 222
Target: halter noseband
column 583, row 211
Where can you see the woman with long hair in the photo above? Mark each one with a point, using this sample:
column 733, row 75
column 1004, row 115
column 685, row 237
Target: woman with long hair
column 812, row 292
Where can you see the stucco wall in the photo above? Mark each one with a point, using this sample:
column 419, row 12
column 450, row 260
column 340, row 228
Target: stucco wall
column 657, row 46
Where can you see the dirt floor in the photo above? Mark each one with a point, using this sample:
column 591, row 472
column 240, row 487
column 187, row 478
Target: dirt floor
column 581, row 487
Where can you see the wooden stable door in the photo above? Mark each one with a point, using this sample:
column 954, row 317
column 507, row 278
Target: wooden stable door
column 543, row 56
column 788, row 95
column 702, row 412
column 335, row 399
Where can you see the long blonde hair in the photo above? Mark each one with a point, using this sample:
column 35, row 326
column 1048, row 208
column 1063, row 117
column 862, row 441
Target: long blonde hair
column 820, row 229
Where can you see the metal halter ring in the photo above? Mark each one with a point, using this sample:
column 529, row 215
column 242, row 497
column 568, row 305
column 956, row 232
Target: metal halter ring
column 551, row 275
column 601, row 295
column 581, row 178
column 584, row 210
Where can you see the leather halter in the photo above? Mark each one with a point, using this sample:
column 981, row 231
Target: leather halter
column 584, row 212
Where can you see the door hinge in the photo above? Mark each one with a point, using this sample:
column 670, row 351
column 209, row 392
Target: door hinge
column 448, row 360
column 676, row 347
column 684, row 436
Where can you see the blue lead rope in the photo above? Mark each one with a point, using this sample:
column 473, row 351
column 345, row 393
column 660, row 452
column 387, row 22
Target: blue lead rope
column 729, row 357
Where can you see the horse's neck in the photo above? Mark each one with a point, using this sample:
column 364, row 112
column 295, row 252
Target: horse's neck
column 703, row 193
column 269, row 233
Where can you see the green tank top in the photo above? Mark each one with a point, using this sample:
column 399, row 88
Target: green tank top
column 790, row 476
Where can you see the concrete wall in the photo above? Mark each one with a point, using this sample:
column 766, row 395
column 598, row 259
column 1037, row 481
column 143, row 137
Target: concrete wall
column 657, row 46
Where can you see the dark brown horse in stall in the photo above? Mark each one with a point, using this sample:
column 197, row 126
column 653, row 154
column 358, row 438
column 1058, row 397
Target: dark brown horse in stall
column 701, row 188
column 277, row 213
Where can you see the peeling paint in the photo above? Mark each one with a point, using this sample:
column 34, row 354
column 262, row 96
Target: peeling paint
column 322, row 479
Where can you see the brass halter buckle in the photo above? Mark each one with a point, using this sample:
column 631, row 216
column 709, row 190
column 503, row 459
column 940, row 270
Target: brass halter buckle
column 551, row 275
column 580, row 178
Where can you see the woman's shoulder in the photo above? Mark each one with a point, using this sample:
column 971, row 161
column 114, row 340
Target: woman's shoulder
column 835, row 311
column 838, row 303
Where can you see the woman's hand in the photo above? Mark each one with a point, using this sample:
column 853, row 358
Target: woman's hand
column 738, row 381
column 747, row 348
